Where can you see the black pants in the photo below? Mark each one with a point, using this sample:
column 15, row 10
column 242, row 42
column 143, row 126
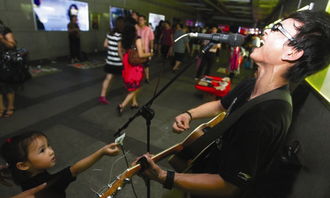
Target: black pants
column 74, row 47
column 164, row 50
column 206, row 64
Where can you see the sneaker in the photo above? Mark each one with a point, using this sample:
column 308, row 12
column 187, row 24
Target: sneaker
column 103, row 100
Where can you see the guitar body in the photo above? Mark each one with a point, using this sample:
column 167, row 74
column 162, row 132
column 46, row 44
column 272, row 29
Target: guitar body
column 182, row 161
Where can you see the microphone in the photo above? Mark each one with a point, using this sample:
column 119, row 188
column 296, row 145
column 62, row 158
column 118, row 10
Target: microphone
column 231, row 39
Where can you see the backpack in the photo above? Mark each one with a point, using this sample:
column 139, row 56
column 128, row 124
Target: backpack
column 13, row 67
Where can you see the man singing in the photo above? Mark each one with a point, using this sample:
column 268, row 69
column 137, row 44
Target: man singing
column 236, row 165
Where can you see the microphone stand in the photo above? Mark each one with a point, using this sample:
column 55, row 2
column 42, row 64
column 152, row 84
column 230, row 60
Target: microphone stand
column 147, row 113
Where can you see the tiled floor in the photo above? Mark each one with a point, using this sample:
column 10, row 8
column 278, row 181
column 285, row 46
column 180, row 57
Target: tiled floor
column 64, row 106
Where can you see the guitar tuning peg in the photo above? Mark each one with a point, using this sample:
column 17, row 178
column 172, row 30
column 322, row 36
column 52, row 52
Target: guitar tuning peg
column 98, row 194
column 127, row 180
column 109, row 196
column 119, row 188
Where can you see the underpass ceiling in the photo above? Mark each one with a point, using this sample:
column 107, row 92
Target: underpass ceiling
column 249, row 12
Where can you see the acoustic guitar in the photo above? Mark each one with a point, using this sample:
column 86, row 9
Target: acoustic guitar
column 177, row 161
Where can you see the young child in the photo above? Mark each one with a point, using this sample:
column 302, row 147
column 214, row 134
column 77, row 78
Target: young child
column 29, row 156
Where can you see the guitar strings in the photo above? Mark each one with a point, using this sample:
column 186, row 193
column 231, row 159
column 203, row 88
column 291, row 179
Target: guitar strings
column 102, row 189
column 126, row 160
column 111, row 170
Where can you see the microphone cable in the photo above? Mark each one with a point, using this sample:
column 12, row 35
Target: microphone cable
column 163, row 65
column 180, row 37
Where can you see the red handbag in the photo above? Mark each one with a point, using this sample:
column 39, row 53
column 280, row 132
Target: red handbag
column 134, row 59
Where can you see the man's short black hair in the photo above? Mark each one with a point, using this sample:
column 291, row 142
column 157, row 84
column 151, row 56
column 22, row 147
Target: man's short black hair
column 141, row 15
column 313, row 38
column 167, row 22
column 213, row 26
column 180, row 25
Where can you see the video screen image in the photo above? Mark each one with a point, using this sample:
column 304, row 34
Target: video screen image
column 154, row 19
column 116, row 12
column 54, row 15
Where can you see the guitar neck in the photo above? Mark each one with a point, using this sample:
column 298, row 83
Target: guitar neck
column 167, row 152
column 176, row 148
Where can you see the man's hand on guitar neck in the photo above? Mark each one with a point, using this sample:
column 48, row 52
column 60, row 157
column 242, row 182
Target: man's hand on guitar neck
column 153, row 171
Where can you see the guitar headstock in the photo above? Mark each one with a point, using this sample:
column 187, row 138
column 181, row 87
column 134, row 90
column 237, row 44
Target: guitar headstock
column 116, row 186
column 121, row 180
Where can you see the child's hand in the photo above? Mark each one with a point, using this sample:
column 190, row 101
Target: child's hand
column 31, row 192
column 111, row 149
column 82, row 165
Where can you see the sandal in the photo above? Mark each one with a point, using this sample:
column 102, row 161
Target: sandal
column 135, row 106
column 120, row 110
column 9, row 113
column 2, row 113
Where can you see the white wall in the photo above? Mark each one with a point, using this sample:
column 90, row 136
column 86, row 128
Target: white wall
column 17, row 14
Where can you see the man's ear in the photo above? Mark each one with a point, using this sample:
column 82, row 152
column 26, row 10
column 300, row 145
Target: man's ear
column 291, row 54
column 23, row 166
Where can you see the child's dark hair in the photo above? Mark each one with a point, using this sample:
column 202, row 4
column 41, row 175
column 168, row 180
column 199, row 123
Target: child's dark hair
column 15, row 150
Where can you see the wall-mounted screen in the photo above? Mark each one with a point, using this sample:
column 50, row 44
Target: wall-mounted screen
column 116, row 12
column 54, row 15
column 154, row 19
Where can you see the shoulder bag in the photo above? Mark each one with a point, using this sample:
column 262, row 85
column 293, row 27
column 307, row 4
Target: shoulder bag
column 133, row 57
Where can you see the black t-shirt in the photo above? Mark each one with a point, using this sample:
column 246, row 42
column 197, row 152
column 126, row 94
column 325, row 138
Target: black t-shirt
column 73, row 34
column 56, row 183
column 245, row 151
